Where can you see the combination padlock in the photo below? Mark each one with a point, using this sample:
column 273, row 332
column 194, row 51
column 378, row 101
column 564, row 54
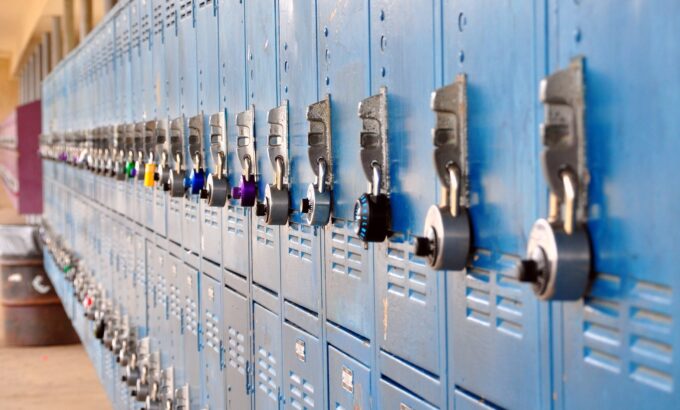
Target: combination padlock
column 197, row 178
column 140, row 167
column 150, row 173
column 317, row 204
column 176, row 179
column 446, row 240
column 162, row 176
column 372, row 212
column 217, row 186
column 276, row 205
column 246, row 192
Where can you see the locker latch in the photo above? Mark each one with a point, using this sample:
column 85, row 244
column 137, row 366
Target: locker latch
column 276, row 205
column 161, row 144
column 196, row 181
column 149, row 148
column 182, row 398
column 317, row 204
column 446, row 237
column 246, row 192
column 217, row 186
column 372, row 212
column 176, row 178
column 129, row 150
column 137, row 171
column 119, row 152
column 558, row 252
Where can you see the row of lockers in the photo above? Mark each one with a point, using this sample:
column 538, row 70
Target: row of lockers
column 476, row 336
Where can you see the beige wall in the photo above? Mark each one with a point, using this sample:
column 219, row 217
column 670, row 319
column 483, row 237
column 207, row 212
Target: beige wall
column 9, row 90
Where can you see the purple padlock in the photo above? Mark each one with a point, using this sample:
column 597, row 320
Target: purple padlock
column 246, row 192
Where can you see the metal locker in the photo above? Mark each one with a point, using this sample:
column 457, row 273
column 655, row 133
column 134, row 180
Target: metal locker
column 496, row 326
column 232, row 54
column 238, row 342
column 262, row 85
column 616, row 347
column 207, row 51
column 349, row 382
column 212, row 320
column 344, row 59
column 301, row 262
column 160, row 105
column 190, row 284
column 176, row 278
column 303, row 369
column 267, row 358
column 393, row 397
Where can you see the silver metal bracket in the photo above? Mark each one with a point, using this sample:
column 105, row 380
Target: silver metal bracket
column 245, row 142
column 149, row 139
column 450, row 139
column 177, row 143
column 563, row 138
column 218, row 142
column 277, row 141
column 319, row 138
column 196, row 141
column 374, row 144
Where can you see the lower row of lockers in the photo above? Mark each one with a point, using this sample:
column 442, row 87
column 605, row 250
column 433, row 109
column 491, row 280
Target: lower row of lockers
column 375, row 328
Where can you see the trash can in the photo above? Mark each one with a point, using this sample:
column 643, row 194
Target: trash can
column 33, row 314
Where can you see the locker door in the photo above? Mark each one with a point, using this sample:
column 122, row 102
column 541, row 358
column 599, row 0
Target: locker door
column 236, row 220
column 262, row 69
column 623, row 334
column 160, row 91
column 344, row 74
column 498, row 330
column 349, row 382
column 209, row 104
column 301, row 263
column 191, row 327
column 238, row 349
column 267, row 358
column 303, row 369
column 175, row 308
column 211, row 342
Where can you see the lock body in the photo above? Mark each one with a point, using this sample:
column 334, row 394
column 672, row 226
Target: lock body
column 176, row 184
column 317, row 205
column 246, row 192
column 446, row 239
column 196, row 181
column 276, row 205
column 217, row 191
column 372, row 216
column 149, row 174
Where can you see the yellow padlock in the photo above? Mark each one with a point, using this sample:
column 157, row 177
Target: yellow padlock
column 149, row 172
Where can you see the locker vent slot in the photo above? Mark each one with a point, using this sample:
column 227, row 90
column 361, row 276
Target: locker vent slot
column 644, row 346
column 212, row 331
column 301, row 392
column 157, row 19
column 146, row 27
column 190, row 316
column 236, row 220
column 406, row 276
column 300, row 242
column 175, row 206
column 204, row 3
column 493, row 296
column 190, row 210
column 266, row 373
column 264, row 234
column 174, row 302
column 170, row 13
column 210, row 217
column 346, row 251
column 185, row 9
column 236, row 348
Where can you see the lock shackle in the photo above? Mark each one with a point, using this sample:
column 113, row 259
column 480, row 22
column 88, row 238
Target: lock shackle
column 376, row 180
column 249, row 164
column 198, row 159
column 570, row 190
column 323, row 168
column 278, row 172
column 452, row 192
column 151, row 158
column 219, row 165
column 178, row 162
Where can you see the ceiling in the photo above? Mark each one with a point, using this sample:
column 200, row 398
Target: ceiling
column 22, row 23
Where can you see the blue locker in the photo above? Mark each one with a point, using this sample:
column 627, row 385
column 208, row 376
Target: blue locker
column 233, row 89
column 238, row 348
column 303, row 369
column 160, row 110
column 262, row 80
column 616, row 347
column 207, row 51
column 267, row 359
column 394, row 397
column 349, row 382
column 190, row 284
column 348, row 267
column 497, row 328
column 188, row 106
column 301, row 244
column 174, row 269
column 211, row 337
column 140, row 285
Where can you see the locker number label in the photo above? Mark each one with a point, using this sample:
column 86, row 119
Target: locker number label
column 348, row 379
column 300, row 350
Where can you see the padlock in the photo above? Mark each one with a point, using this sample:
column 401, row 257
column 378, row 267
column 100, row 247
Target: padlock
column 276, row 205
column 176, row 179
column 317, row 204
column 140, row 167
column 446, row 240
column 196, row 177
column 559, row 256
column 217, row 186
column 149, row 174
column 372, row 212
